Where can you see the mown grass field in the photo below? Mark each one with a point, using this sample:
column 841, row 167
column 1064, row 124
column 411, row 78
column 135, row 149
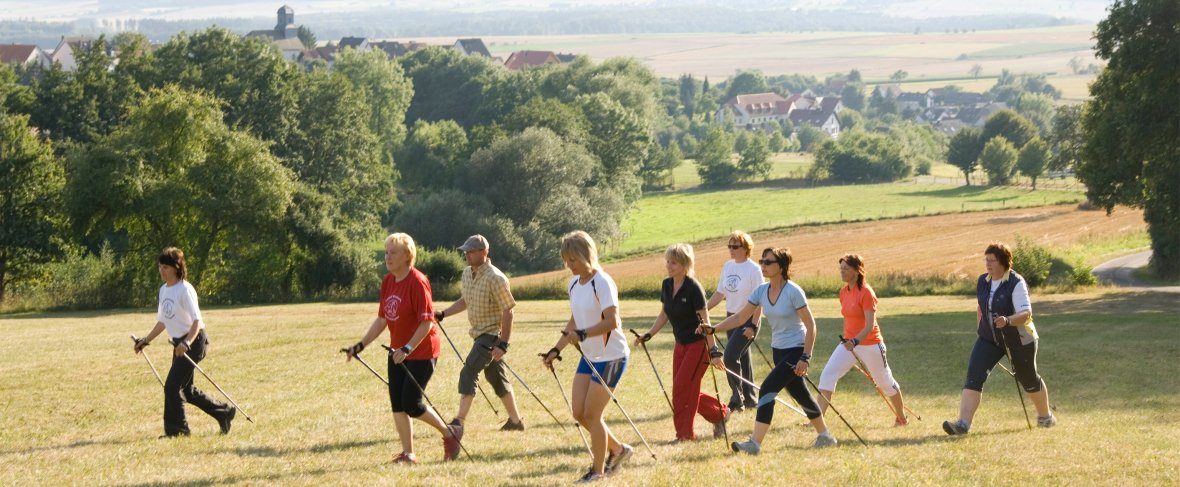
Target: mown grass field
column 662, row 219
column 80, row 408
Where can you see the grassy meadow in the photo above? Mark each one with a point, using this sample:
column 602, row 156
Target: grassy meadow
column 707, row 214
column 79, row 407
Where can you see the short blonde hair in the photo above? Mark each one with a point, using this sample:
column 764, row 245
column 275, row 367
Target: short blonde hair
column 579, row 246
column 744, row 240
column 406, row 242
column 682, row 254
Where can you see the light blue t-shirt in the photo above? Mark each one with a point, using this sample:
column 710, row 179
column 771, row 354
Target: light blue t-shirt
column 785, row 324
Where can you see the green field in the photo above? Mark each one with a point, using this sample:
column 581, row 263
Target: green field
column 708, row 214
column 784, row 165
column 80, row 408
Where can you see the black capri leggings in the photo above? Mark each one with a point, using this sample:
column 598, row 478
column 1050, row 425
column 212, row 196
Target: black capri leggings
column 404, row 396
column 783, row 375
column 985, row 355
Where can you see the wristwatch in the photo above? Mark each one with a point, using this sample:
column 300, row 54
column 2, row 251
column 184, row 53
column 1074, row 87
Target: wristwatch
column 406, row 349
column 805, row 358
column 502, row 346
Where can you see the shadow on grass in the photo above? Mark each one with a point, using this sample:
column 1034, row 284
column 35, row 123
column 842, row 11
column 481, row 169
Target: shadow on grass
column 67, row 446
column 955, row 192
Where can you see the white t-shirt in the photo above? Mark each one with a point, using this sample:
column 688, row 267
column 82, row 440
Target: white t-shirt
column 587, row 303
column 737, row 282
column 1020, row 298
column 178, row 308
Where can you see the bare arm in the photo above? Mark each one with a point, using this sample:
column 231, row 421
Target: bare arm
column 715, row 299
column 183, row 346
column 144, row 341
column 739, row 318
column 455, row 308
column 420, row 333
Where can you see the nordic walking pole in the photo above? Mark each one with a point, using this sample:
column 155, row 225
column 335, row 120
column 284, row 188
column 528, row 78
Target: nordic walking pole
column 763, row 354
column 219, row 389
column 833, row 408
column 860, row 366
column 759, row 389
column 610, row 393
column 366, row 364
column 1008, row 353
column 643, row 343
column 464, row 362
column 428, row 401
column 527, row 388
column 149, row 361
column 570, row 406
column 717, row 390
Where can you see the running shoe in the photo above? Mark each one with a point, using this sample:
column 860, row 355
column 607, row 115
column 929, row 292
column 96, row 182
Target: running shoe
column 614, row 461
column 1047, row 421
column 591, row 476
column 450, row 448
column 407, row 458
column 824, row 441
column 956, row 428
column 457, row 427
column 226, row 421
column 510, row 426
column 901, row 422
column 748, row 446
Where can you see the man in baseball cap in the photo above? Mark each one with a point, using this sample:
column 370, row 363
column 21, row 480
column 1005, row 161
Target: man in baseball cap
column 488, row 301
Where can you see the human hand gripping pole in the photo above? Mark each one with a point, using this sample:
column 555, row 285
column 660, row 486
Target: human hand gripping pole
column 149, row 359
column 418, row 386
column 643, row 343
column 594, row 372
column 567, row 401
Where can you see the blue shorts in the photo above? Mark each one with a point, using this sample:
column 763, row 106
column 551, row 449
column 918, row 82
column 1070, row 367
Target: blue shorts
column 610, row 370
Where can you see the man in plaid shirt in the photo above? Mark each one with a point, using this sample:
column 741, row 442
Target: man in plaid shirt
column 488, row 302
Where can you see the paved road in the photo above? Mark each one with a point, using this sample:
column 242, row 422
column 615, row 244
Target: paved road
column 1121, row 272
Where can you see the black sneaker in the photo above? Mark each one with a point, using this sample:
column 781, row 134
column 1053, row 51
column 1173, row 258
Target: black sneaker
column 225, row 422
column 735, row 407
column 510, row 426
column 751, row 404
column 591, row 476
column 956, row 428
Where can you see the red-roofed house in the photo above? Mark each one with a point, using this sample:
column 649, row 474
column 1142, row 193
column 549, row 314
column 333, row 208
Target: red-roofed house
column 521, row 59
column 24, row 54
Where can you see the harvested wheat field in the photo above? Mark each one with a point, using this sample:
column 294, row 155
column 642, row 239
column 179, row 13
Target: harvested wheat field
column 942, row 245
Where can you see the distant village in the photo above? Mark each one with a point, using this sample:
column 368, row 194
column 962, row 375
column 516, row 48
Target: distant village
column 947, row 111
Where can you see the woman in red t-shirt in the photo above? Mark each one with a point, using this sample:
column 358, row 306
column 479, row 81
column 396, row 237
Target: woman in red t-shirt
column 861, row 343
column 406, row 310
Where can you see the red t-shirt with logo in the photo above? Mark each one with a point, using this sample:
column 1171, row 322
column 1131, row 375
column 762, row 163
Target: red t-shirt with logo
column 404, row 304
column 853, row 304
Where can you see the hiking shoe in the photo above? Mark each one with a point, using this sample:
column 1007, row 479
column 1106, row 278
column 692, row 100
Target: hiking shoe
column 450, row 448
column 225, row 422
column 614, row 461
column 901, row 422
column 719, row 427
column 456, row 427
column 591, row 476
column 956, row 428
column 1047, row 421
column 510, row 426
column 748, row 446
column 736, row 407
column 824, row 441
column 404, row 457
column 751, row 404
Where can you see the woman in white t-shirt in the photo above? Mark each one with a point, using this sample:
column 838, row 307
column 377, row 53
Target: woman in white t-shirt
column 179, row 314
column 595, row 325
column 739, row 277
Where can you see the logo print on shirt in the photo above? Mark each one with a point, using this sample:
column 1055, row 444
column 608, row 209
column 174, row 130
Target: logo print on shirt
column 169, row 308
column 391, row 305
column 732, row 282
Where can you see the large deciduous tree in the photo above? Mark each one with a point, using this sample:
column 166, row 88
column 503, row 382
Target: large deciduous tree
column 1033, row 158
column 31, row 182
column 998, row 160
column 963, row 151
column 1132, row 124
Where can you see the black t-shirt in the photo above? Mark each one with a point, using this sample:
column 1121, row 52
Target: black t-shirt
column 681, row 309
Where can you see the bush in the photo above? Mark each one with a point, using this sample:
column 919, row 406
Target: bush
column 442, row 266
column 1032, row 261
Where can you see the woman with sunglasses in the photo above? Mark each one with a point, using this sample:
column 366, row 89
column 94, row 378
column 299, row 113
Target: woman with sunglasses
column 739, row 277
column 792, row 339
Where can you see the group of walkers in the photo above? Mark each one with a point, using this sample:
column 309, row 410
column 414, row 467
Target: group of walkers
column 750, row 289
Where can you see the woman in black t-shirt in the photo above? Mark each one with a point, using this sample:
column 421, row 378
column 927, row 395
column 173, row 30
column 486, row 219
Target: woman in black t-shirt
column 684, row 302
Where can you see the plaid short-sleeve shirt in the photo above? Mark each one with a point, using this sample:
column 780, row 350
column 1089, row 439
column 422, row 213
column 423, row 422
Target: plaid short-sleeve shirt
column 486, row 292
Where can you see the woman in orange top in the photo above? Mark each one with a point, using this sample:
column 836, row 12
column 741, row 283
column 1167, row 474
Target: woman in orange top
column 858, row 304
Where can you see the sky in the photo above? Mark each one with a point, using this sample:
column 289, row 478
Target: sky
column 69, row 10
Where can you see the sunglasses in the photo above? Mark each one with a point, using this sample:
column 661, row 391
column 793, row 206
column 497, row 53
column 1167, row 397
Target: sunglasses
column 733, row 247
column 768, row 262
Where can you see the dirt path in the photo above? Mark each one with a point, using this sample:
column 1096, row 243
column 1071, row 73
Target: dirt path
column 944, row 244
